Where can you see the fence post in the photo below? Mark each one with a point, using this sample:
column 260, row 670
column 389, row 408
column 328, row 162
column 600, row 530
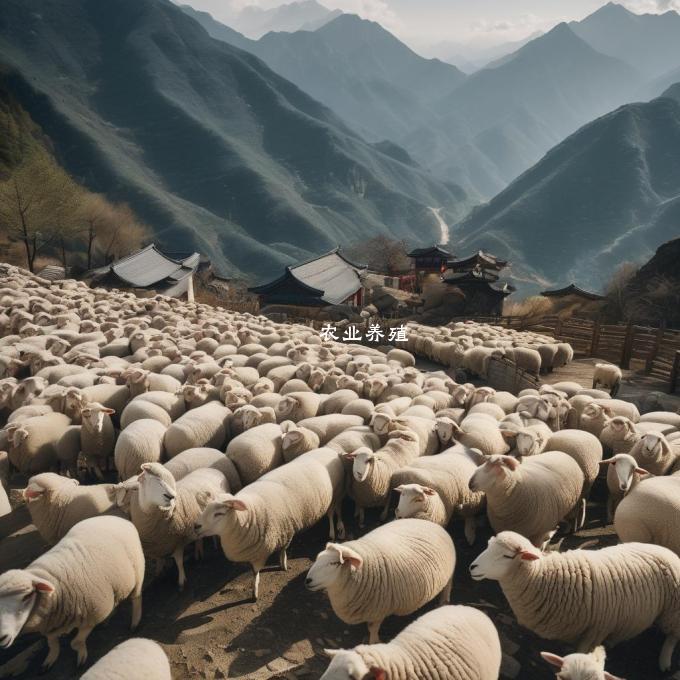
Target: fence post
column 654, row 351
column 558, row 328
column 675, row 373
column 595, row 341
column 627, row 351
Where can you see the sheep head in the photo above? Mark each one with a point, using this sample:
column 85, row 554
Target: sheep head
column 504, row 553
column 330, row 563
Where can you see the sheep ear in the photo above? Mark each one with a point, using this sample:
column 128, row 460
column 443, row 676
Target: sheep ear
column 330, row 653
column 349, row 455
column 609, row 676
column 528, row 555
column 378, row 673
column 510, row 462
column 478, row 458
column 400, row 488
column 204, row 497
column 428, row 491
column 608, row 461
column 553, row 659
column 43, row 586
column 509, row 435
column 235, row 504
column 641, row 471
column 109, row 411
column 351, row 557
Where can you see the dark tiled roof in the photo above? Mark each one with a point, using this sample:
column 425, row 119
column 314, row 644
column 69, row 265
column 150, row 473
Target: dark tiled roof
column 150, row 266
column 485, row 260
column 572, row 289
column 432, row 250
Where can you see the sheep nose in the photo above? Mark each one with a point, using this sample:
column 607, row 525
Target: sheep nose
column 471, row 485
column 197, row 527
column 4, row 641
column 473, row 567
column 308, row 582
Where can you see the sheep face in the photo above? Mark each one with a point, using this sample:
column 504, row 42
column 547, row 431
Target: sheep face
column 502, row 556
column 380, row 422
column 250, row 416
column 218, row 511
column 622, row 427
column 328, row 565
column 156, row 488
column 412, row 499
column 262, row 386
column 291, row 438
column 286, row 406
column 7, row 386
column 446, row 429
column 530, row 442
column 654, row 448
column 18, row 593
column 625, row 467
column 316, row 379
column 492, row 472
column 580, row 666
column 482, row 394
column 374, row 387
column 346, row 664
column 93, row 415
column 362, row 461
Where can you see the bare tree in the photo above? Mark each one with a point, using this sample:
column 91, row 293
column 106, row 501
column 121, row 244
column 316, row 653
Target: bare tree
column 382, row 254
column 617, row 294
column 38, row 204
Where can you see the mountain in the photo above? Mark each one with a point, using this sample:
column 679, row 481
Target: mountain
column 307, row 15
column 362, row 72
column 608, row 193
column 649, row 42
column 673, row 92
column 218, row 30
column 501, row 120
column 208, row 145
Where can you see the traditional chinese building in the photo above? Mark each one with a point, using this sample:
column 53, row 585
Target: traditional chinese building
column 330, row 279
column 572, row 290
column 478, row 279
column 426, row 264
column 150, row 269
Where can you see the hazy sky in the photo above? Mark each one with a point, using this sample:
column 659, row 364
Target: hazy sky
column 476, row 21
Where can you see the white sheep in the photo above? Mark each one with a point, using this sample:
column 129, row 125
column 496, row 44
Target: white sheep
column 97, row 436
column 578, row 596
column 140, row 442
column 134, row 658
column 165, row 510
column 264, row 516
column 203, row 457
column 33, row 444
column 256, row 451
column 475, row 433
column 205, row 425
column 609, row 377
column 75, row 584
column 530, row 497
column 581, row 666
column 656, row 454
column 434, row 487
column 57, row 503
column 393, row 570
column 453, row 642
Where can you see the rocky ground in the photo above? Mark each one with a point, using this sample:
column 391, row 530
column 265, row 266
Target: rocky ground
column 214, row 630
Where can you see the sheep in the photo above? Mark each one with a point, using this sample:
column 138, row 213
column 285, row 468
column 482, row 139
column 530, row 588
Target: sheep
column 372, row 471
column 256, row 451
column 111, row 396
column 581, row 666
column 433, row 487
column 623, row 473
column 136, row 657
column 205, row 425
column 296, row 440
column 424, row 428
column 619, row 435
column 527, row 359
column 329, row 426
column 34, row 443
column 264, row 516
column 643, row 514
column 97, row 436
column 297, row 406
column 393, row 570
column 164, row 510
column 530, row 497
column 193, row 459
column 482, row 434
column 138, row 410
column 401, row 356
column 609, row 377
column 453, row 642
column 68, row 450
column 532, row 439
column 173, row 404
column 57, row 503
column 571, row 596
column 75, row 584
column 595, row 415
column 355, row 438
column 140, row 442
column 360, row 407
column 656, row 454
column 666, row 417
column 336, row 402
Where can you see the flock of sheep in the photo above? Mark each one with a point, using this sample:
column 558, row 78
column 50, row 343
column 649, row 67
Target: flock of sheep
column 230, row 425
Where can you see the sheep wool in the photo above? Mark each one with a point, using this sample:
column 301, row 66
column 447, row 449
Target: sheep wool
column 452, row 642
column 80, row 581
column 140, row 442
column 56, row 503
column 134, row 659
column 34, row 443
column 203, row 457
column 205, row 425
column 392, row 570
column 256, row 451
column 572, row 596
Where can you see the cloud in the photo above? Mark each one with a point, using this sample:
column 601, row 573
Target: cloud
column 373, row 10
column 652, row 6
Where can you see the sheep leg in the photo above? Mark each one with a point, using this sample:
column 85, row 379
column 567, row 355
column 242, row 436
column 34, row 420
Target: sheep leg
column 667, row 653
column 178, row 556
column 53, row 650
column 445, row 596
column 256, row 580
column 283, row 559
column 373, row 630
column 331, row 524
column 340, row 524
column 136, row 611
column 470, row 530
column 78, row 644
column 582, row 514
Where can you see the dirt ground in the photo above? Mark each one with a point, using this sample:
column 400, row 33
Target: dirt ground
column 214, row 630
